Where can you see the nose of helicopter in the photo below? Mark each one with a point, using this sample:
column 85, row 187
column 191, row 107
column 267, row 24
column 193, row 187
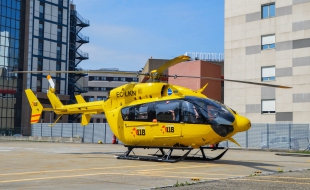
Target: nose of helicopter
column 241, row 123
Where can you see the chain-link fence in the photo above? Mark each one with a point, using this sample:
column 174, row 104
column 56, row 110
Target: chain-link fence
column 261, row 135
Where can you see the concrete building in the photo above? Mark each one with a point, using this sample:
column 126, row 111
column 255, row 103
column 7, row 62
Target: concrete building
column 209, row 66
column 153, row 64
column 268, row 41
column 34, row 37
column 198, row 68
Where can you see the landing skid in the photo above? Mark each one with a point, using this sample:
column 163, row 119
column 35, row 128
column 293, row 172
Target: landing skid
column 166, row 156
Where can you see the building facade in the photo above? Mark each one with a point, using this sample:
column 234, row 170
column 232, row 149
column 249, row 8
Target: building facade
column 201, row 69
column 35, row 36
column 268, row 41
column 11, row 46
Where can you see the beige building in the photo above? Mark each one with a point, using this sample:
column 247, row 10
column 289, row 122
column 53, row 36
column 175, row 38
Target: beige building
column 268, row 41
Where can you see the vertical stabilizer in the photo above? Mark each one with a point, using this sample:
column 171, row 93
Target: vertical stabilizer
column 85, row 119
column 36, row 106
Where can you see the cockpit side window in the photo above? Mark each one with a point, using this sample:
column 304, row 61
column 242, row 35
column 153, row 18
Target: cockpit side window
column 191, row 113
column 212, row 112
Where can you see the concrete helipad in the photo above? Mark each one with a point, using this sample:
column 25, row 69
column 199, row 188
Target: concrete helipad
column 42, row 165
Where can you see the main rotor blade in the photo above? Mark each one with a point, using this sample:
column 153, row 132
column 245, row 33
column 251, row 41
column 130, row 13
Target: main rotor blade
column 172, row 62
column 84, row 72
column 239, row 81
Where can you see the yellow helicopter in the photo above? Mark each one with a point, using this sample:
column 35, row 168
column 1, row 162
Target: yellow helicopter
column 156, row 115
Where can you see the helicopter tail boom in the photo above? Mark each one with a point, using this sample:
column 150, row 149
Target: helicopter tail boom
column 36, row 106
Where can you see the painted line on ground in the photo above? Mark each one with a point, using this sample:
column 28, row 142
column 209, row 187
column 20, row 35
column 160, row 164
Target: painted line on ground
column 159, row 172
column 261, row 180
column 105, row 173
column 73, row 170
column 298, row 178
column 176, row 168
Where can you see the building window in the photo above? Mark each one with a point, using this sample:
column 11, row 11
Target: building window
column 268, row 42
column 115, row 79
column 58, row 52
column 268, row 73
column 39, row 84
column 268, row 106
column 89, row 98
column 40, row 63
column 123, row 79
column 60, row 2
column 59, row 15
column 40, row 47
column 41, row 29
column 135, row 79
column 58, row 68
column 41, row 10
column 59, row 33
column 98, row 121
column 268, row 10
column 101, row 98
column 57, row 86
column 103, row 78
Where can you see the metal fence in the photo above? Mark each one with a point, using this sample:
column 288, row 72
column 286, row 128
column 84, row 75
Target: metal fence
column 269, row 136
column 91, row 133
column 273, row 136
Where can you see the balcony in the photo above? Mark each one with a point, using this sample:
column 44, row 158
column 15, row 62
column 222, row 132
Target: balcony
column 81, row 38
column 81, row 55
column 82, row 22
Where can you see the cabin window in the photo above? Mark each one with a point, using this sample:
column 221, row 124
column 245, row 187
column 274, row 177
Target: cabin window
column 143, row 112
column 168, row 111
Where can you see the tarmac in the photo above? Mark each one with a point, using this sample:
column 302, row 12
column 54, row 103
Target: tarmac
column 50, row 165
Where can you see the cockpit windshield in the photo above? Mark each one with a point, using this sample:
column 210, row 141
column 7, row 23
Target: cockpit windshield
column 213, row 111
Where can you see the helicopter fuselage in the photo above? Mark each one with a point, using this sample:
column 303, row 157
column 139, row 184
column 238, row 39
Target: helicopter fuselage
column 161, row 114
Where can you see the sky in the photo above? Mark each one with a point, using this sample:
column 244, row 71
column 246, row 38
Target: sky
column 124, row 34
